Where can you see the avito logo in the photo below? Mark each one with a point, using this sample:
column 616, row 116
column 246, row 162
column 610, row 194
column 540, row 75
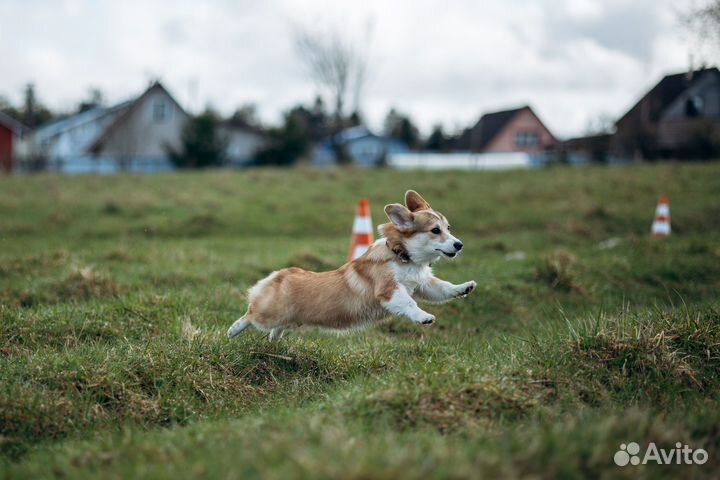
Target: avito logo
column 629, row 454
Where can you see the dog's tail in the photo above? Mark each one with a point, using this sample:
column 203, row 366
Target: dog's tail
column 237, row 327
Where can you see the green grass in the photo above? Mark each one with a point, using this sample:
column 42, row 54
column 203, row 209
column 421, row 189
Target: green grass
column 116, row 292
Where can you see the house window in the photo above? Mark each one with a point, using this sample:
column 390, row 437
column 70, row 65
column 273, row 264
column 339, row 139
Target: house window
column 694, row 106
column 159, row 111
column 526, row 139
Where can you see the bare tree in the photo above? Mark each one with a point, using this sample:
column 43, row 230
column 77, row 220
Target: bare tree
column 703, row 22
column 337, row 64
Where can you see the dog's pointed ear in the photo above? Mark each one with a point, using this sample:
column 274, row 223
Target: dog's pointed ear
column 400, row 216
column 415, row 202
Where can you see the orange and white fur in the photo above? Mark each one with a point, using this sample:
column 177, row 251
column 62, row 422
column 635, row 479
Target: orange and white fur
column 387, row 280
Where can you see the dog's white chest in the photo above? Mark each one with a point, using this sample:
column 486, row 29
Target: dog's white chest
column 411, row 276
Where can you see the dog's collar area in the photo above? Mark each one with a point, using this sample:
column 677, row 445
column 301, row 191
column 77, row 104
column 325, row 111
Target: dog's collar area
column 401, row 254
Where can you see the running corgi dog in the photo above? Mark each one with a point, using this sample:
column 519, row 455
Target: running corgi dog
column 386, row 280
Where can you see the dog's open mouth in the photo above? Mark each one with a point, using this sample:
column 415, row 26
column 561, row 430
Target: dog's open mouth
column 450, row 255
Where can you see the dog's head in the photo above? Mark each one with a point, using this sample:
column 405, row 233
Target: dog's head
column 417, row 232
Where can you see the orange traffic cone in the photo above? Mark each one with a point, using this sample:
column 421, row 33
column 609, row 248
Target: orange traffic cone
column 362, row 231
column 661, row 225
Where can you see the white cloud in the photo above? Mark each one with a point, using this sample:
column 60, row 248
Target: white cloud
column 571, row 60
column 584, row 9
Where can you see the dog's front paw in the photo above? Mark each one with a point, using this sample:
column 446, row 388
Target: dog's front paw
column 466, row 288
column 426, row 320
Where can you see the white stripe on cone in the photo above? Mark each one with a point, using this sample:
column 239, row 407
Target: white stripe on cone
column 362, row 232
column 362, row 225
column 660, row 228
column 661, row 224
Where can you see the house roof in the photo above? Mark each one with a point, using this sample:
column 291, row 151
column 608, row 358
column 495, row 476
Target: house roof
column 490, row 124
column 60, row 125
column 16, row 127
column 133, row 105
column 354, row 133
column 667, row 90
column 358, row 132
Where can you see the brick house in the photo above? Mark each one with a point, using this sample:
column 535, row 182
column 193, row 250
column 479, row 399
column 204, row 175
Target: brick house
column 518, row 130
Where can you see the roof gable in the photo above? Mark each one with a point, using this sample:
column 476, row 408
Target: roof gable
column 708, row 84
column 133, row 106
column 491, row 124
column 665, row 92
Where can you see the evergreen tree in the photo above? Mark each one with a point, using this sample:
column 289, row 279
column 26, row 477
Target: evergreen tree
column 437, row 141
column 290, row 141
column 202, row 144
column 401, row 127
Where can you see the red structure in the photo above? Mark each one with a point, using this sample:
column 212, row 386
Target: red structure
column 11, row 131
column 6, row 141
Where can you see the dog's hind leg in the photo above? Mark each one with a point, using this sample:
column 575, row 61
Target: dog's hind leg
column 276, row 334
column 236, row 328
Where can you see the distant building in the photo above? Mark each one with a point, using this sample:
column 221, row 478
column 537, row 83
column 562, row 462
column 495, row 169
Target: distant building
column 12, row 136
column 586, row 150
column 243, row 142
column 518, row 130
column 363, row 147
column 130, row 136
column 133, row 136
column 679, row 117
column 62, row 145
column 139, row 137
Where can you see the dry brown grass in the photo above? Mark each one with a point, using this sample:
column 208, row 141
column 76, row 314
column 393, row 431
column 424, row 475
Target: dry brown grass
column 558, row 272
column 469, row 407
column 652, row 357
column 84, row 283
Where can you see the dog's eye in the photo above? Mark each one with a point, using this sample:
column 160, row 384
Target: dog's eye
column 448, row 228
column 436, row 231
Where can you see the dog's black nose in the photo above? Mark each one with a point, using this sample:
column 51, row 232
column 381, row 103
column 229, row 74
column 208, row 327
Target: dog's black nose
column 458, row 246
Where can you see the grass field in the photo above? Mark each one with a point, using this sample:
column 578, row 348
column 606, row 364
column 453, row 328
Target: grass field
column 116, row 293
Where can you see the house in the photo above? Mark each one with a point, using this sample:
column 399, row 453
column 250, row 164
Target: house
column 133, row 136
column 12, row 135
column 363, row 148
column 586, row 150
column 138, row 138
column 243, row 142
column 62, row 145
column 679, row 117
column 518, row 130
column 130, row 136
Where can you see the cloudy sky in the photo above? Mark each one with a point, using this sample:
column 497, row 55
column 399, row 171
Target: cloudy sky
column 447, row 62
